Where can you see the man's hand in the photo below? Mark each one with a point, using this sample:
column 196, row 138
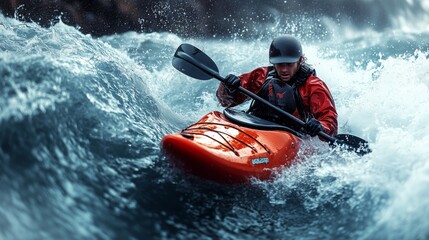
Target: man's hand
column 312, row 127
column 232, row 81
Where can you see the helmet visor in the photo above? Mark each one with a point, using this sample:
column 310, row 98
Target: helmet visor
column 275, row 60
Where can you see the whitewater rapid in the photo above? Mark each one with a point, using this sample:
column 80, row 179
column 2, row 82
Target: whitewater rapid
column 81, row 120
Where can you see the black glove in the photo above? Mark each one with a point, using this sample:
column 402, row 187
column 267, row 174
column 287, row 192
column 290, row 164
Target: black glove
column 312, row 127
column 232, row 81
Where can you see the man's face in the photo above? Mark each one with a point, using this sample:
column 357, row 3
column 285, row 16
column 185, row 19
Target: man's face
column 286, row 70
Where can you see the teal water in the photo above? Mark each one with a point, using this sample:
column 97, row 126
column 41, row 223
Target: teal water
column 81, row 119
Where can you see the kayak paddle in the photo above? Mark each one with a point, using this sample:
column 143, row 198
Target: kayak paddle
column 195, row 63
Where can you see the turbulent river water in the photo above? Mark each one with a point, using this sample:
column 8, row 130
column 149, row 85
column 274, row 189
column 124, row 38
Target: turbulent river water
column 81, row 119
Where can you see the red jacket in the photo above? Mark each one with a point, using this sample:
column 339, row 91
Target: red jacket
column 314, row 93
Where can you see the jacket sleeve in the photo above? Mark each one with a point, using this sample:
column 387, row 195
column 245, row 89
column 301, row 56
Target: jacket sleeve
column 251, row 81
column 321, row 104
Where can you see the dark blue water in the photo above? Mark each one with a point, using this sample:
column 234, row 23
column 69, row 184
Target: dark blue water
column 81, row 120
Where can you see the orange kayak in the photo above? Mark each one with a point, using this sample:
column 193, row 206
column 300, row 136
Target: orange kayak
column 232, row 147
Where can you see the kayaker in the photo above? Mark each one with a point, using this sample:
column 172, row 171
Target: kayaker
column 291, row 84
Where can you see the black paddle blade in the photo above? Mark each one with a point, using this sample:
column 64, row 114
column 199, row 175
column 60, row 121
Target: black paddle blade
column 187, row 59
column 353, row 143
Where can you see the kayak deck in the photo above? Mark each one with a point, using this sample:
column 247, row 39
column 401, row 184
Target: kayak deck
column 218, row 149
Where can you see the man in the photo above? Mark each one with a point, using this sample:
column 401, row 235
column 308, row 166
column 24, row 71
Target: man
column 290, row 84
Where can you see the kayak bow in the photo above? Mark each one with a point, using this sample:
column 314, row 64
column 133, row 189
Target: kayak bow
column 232, row 147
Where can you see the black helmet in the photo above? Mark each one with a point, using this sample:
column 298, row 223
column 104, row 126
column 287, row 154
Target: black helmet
column 285, row 49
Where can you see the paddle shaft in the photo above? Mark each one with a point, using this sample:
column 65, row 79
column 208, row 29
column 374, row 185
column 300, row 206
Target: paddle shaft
column 250, row 94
